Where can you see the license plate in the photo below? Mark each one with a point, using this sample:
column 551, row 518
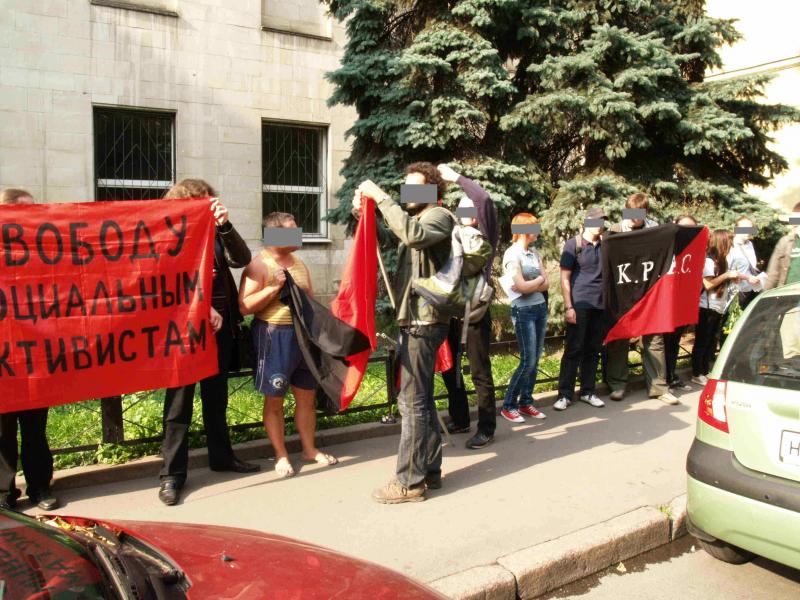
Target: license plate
column 790, row 447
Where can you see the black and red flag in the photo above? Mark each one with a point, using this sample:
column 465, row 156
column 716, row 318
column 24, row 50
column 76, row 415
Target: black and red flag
column 652, row 279
column 336, row 343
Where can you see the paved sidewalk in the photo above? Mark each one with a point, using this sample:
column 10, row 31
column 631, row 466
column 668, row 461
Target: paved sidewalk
column 538, row 481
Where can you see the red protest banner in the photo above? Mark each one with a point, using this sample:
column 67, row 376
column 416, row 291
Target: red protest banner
column 103, row 298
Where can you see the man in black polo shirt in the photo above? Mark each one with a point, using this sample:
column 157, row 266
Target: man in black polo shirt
column 582, row 289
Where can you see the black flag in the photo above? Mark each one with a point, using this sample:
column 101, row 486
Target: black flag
column 325, row 343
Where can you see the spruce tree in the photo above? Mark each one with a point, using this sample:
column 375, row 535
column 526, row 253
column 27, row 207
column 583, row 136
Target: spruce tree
column 554, row 105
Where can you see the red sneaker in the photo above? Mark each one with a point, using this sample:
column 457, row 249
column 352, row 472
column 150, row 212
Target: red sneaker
column 512, row 415
column 532, row 412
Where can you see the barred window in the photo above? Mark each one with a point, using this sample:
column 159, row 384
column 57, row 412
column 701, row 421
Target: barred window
column 294, row 165
column 134, row 153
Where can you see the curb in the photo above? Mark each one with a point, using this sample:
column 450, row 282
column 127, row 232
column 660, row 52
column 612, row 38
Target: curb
column 550, row 565
column 149, row 466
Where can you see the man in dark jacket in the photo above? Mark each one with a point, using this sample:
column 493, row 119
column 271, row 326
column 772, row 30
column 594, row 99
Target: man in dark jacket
column 230, row 251
column 479, row 334
column 424, row 232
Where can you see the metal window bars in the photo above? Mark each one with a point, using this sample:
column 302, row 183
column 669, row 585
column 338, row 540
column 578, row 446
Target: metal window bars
column 294, row 165
column 134, row 153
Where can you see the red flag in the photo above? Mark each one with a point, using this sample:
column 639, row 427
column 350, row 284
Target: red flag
column 444, row 358
column 653, row 279
column 355, row 302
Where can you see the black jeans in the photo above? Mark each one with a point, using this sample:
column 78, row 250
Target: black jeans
column 479, row 336
column 672, row 347
column 583, row 342
column 420, row 451
column 37, row 461
column 178, row 404
column 706, row 334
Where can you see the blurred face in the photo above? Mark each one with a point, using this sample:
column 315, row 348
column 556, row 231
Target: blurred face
column 745, row 236
column 415, row 179
column 469, row 222
column 284, row 250
column 687, row 222
column 593, row 232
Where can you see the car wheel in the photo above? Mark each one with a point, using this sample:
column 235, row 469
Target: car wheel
column 725, row 552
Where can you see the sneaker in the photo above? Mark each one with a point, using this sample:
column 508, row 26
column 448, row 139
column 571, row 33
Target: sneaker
column 679, row 384
column 479, row 440
column 700, row 379
column 617, row 395
column 532, row 412
column 593, row 400
column 512, row 415
column 44, row 499
column 562, row 403
column 395, row 492
column 668, row 398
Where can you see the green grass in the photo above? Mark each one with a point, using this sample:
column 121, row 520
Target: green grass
column 79, row 424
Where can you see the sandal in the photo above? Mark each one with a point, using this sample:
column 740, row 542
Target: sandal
column 284, row 468
column 322, row 458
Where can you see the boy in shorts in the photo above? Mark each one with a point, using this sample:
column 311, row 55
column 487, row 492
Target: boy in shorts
column 280, row 364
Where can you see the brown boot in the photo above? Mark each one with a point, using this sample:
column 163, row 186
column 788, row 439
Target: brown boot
column 395, row 492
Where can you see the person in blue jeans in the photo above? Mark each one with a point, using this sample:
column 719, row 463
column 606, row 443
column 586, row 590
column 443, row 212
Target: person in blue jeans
column 523, row 265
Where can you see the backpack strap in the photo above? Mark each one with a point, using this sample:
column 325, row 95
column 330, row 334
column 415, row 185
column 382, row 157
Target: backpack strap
column 578, row 245
column 462, row 346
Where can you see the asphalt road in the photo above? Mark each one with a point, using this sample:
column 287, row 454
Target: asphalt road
column 683, row 570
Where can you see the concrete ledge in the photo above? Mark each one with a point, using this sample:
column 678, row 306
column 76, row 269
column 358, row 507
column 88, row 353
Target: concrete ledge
column 677, row 518
column 149, row 466
column 550, row 565
column 490, row 582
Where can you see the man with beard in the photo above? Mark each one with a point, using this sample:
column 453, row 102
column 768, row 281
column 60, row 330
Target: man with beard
column 423, row 232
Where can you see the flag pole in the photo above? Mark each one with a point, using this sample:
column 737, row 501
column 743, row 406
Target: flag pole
column 389, row 290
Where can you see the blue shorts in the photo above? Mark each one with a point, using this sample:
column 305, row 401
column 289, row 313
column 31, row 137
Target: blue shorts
column 280, row 363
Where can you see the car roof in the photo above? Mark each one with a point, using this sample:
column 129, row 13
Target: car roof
column 791, row 289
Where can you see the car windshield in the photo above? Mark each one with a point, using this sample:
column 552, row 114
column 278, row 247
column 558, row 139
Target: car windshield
column 766, row 350
column 38, row 561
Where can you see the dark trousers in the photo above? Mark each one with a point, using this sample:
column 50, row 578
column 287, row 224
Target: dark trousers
column 672, row 347
column 420, row 451
column 706, row 334
column 479, row 336
column 37, row 461
column 178, row 405
column 583, row 342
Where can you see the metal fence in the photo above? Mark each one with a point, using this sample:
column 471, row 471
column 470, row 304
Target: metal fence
column 120, row 420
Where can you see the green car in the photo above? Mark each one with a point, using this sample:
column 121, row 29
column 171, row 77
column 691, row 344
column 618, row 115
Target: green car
column 744, row 465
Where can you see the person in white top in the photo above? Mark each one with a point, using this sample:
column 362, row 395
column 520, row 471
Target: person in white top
column 742, row 258
column 719, row 281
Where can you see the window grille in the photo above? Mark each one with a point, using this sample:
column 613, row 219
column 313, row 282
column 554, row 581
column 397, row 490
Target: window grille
column 294, row 163
column 134, row 154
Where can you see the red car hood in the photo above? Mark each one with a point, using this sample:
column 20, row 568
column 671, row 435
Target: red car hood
column 259, row 566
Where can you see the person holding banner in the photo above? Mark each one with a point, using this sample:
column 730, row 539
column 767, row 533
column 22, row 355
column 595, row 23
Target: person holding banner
column 33, row 451
column 279, row 358
column 672, row 341
column 230, row 251
column 653, row 356
column 423, row 230
column 719, row 288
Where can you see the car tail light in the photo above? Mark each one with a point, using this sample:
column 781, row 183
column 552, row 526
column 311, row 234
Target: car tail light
column 711, row 408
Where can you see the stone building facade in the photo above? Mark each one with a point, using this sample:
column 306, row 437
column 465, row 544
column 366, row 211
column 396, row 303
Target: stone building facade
column 112, row 99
